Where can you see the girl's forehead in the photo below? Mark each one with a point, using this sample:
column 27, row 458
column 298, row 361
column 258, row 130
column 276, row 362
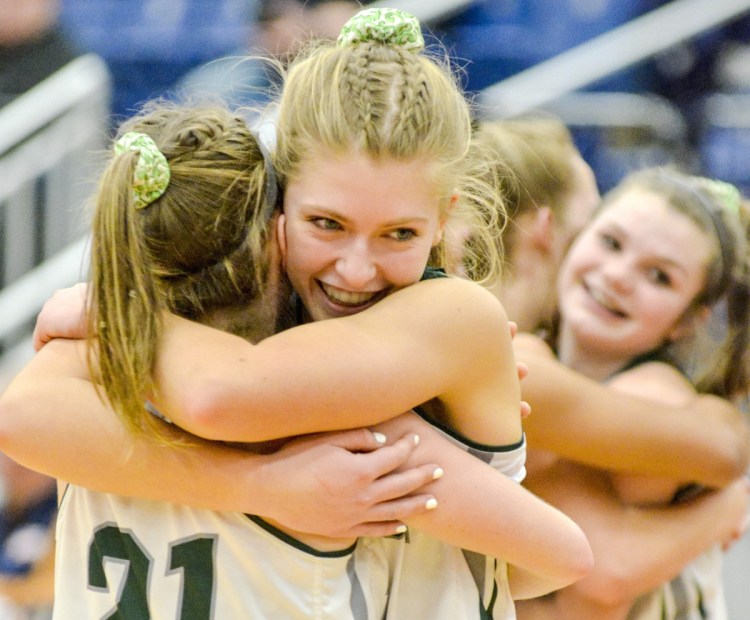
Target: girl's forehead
column 356, row 182
column 639, row 210
column 654, row 225
column 633, row 198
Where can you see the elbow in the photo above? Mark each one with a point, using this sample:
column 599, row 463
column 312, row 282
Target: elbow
column 199, row 411
column 582, row 563
column 608, row 586
column 577, row 564
column 211, row 410
column 15, row 422
column 735, row 459
column 741, row 461
column 579, row 556
column 529, row 584
column 730, row 455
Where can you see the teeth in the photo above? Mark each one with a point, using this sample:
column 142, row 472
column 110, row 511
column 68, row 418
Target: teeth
column 603, row 301
column 599, row 298
column 347, row 298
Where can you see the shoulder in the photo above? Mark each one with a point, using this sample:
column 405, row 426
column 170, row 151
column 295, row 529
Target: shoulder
column 451, row 304
column 655, row 380
column 455, row 294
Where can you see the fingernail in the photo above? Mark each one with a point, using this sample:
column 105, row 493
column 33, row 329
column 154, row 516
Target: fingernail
column 400, row 529
column 379, row 437
column 416, row 440
column 438, row 473
column 431, row 504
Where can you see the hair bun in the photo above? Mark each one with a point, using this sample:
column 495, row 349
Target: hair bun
column 387, row 26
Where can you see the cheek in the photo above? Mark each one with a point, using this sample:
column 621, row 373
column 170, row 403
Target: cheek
column 404, row 268
column 566, row 275
column 304, row 256
column 660, row 312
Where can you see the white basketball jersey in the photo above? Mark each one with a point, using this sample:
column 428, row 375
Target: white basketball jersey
column 697, row 593
column 135, row 559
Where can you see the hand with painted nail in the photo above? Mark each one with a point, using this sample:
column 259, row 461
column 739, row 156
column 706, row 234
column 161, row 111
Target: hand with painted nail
column 348, row 483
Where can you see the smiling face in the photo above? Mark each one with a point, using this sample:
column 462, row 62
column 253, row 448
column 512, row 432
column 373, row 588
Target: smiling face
column 355, row 229
column 629, row 280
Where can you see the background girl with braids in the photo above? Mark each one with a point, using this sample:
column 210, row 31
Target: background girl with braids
column 665, row 252
column 371, row 180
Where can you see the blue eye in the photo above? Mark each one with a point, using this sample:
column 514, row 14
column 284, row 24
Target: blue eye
column 325, row 223
column 403, row 234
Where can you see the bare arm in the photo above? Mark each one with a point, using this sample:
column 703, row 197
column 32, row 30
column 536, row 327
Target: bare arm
column 484, row 511
column 582, row 420
column 662, row 384
column 478, row 508
column 638, row 549
column 51, row 420
column 443, row 338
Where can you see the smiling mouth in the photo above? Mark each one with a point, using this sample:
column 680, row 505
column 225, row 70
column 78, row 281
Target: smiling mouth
column 605, row 302
column 350, row 298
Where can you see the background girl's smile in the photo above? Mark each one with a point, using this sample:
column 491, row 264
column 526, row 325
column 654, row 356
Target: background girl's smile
column 630, row 279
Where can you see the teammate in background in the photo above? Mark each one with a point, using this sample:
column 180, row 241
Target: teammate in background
column 370, row 181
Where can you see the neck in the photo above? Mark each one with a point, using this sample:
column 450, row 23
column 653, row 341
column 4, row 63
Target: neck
column 597, row 365
column 527, row 294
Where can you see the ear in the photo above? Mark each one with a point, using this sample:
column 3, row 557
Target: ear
column 689, row 323
column 444, row 219
column 543, row 229
column 281, row 238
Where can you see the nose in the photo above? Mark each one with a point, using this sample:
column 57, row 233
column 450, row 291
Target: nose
column 617, row 273
column 356, row 265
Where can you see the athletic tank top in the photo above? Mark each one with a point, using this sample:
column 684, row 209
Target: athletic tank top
column 697, row 593
column 130, row 559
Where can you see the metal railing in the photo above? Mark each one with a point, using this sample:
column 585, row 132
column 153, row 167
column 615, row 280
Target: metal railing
column 48, row 134
column 606, row 54
column 49, row 138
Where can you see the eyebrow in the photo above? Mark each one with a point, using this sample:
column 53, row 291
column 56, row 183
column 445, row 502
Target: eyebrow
column 661, row 258
column 333, row 214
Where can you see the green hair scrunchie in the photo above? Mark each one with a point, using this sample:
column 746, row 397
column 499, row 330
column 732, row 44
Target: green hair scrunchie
column 151, row 174
column 727, row 193
column 388, row 26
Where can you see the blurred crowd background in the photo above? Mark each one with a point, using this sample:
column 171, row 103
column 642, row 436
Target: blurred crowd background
column 150, row 46
column 639, row 82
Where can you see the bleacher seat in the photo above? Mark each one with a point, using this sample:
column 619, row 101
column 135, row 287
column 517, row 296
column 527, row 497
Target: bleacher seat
column 725, row 138
column 499, row 38
column 150, row 44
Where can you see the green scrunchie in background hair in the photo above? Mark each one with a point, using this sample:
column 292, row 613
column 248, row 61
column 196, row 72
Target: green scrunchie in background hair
column 727, row 193
column 388, row 26
column 151, row 173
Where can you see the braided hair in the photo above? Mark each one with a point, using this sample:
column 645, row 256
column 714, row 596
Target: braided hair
column 385, row 100
column 199, row 247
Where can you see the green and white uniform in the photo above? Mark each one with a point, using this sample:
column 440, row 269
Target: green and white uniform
column 430, row 579
column 134, row 559
column 131, row 559
column 697, row 593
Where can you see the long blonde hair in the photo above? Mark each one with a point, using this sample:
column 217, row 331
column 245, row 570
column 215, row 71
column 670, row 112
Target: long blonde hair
column 199, row 247
column 386, row 101
column 534, row 160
